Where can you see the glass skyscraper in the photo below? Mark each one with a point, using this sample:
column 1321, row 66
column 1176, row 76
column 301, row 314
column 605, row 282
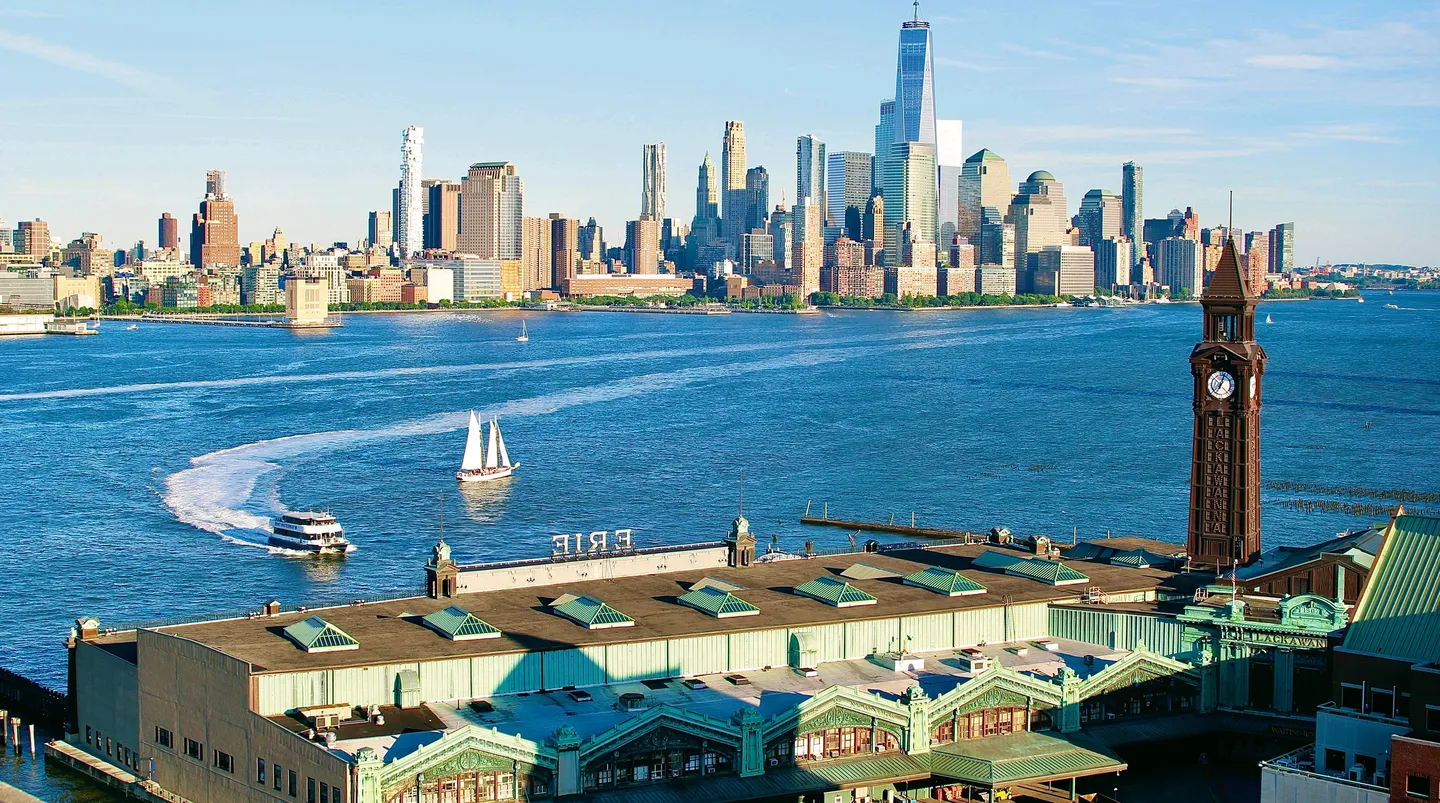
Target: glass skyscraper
column 915, row 84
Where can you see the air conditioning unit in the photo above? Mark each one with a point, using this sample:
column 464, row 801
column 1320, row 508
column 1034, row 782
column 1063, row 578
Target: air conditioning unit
column 1356, row 773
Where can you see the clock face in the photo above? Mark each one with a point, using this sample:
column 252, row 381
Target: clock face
column 1221, row 385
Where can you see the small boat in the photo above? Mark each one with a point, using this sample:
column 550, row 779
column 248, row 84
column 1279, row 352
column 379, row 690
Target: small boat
column 1392, row 292
column 132, row 327
column 1268, row 319
column 483, row 463
column 313, row 532
column 524, row 335
column 1392, row 306
column 1360, row 299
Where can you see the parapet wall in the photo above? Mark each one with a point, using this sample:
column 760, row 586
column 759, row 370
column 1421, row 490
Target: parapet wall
column 561, row 569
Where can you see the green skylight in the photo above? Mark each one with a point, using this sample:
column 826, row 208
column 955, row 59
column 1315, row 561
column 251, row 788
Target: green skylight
column 458, row 624
column 1052, row 572
column 834, row 591
column 944, row 581
column 589, row 612
column 317, row 635
column 718, row 603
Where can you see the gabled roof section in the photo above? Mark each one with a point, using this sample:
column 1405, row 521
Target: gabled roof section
column 864, row 571
column 944, row 581
column 317, row 635
column 834, row 591
column 717, row 602
column 458, row 624
column 1360, row 546
column 1229, row 279
column 1052, row 572
column 589, row 612
column 1398, row 613
column 1139, row 559
column 715, row 582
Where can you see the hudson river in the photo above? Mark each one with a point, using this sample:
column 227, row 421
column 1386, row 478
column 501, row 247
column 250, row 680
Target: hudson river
column 141, row 465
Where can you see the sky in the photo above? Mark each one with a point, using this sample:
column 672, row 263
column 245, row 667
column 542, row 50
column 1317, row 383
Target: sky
column 1321, row 113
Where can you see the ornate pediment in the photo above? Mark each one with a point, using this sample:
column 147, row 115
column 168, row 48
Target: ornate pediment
column 994, row 688
column 470, row 749
column 653, row 725
column 886, row 714
column 1313, row 612
column 1136, row 668
column 835, row 717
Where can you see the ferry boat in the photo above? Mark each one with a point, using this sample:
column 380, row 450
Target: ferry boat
column 309, row 532
column 483, row 463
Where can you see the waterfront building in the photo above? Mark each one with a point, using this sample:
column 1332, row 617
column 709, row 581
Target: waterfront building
column 565, row 250
column 474, row 279
column 626, row 284
column 652, row 184
column 844, row 269
column 214, row 230
column 1257, row 257
column 910, row 190
column 755, row 247
column 1181, row 266
column 306, row 304
column 409, row 224
column 1099, row 217
column 1113, row 263
column 260, row 283
column 379, row 231
column 915, row 84
column 642, row 245
column 1132, row 208
column 950, row 165
column 1064, row 270
column 442, row 220
column 757, row 198
column 491, row 211
column 848, row 187
column 732, row 180
column 169, row 234
column 963, row 255
column 995, row 279
column 884, row 138
column 438, row 283
column 537, row 262
column 1227, row 365
column 810, row 170
column 1040, row 215
column 807, row 227
column 1282, row 248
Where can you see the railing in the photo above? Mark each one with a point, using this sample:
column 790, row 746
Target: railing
column 1301, row 761
column 151, row 624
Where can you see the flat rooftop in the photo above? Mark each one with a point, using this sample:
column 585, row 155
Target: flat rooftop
column 536, row 716
column 391, row 632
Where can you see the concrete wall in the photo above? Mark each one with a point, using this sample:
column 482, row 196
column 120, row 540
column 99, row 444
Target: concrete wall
column 107, row 695
column 1280, row 786
column 489, row 675
column 546, row 573
column 201, row 694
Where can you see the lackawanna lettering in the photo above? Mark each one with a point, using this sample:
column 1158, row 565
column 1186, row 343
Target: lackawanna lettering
column 598, row 541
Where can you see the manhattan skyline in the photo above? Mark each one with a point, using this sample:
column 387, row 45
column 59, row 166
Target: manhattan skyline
column 1321, row 120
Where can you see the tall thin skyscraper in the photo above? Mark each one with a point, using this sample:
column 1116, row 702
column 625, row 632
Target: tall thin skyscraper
column 707, row 194
column 732, row 178
column 810, row 170
column 411, row 224
column 915, row 84
column 757, row 198
column 1132, row 209
column 910, row 192
column 652, row 193
column 443, row 219
column 214, row 230
column 492, row 209
column 169, row 232
column 884, row 138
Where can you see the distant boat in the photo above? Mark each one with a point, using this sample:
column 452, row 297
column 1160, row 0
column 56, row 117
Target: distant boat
column 132, row 327
column 1268, row 319
column 1392, row 292
column 482, row 463
column 524, row 335
column 1360, row 299
column 1392, row 306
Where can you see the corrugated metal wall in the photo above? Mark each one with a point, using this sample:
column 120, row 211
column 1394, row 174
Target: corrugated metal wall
column 1117, row 629
column 485, row 676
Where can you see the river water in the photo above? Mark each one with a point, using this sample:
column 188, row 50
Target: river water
column 142, row 466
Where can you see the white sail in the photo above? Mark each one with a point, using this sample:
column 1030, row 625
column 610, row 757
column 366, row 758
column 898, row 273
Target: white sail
column 492, row 451
column 474, row 454
column 500, row 443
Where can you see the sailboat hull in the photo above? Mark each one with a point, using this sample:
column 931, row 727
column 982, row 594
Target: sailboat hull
column 486, row 474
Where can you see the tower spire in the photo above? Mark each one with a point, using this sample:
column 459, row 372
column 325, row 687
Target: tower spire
column 917, row 10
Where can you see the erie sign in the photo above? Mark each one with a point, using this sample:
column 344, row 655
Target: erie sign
column 595, row 543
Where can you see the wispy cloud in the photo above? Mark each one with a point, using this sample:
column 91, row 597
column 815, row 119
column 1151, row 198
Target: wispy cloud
column 1291, row 61
column 945, row 61
column 1357, row 132
column 1039, row 54
column 80, row 61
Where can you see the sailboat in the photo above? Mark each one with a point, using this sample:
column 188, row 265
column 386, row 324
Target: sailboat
column 482, row 463
column 524, row 335
column 1268, row 319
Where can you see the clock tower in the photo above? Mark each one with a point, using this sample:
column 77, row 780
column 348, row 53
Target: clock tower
column 1225, row 462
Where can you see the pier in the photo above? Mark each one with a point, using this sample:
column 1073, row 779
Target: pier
column 965, row 536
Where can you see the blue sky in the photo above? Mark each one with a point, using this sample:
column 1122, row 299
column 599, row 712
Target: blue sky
column 1323, row 113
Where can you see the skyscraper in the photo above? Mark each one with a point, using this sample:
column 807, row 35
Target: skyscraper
column 536, row 262
column 707, row 196
column 410, row 225
column 847, row 189
column 1132, row 203
column 652, row 192
column 642, row 245
column 1282, row 248
column 910, row 191
column 1099, row 217
column 564, row 248
column 1181, row 267
column 1040, row 215
column 780, row 237
column 984, row 181
column 757, row 198
column 808, row 228
column 492, row 206
column 732, row 177
column 379, row 230
column 950, row 162
column 873, row 229
column 34, row 239
column 443, row 220
column 915, row 84
column 810, row 170
column 214, row 230
column 169, row 232
column 884, row 138
column 590, row 239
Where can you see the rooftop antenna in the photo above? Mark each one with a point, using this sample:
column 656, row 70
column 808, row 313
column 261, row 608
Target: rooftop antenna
column 917, row 10
column 742, row 493
column 1231, row 224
